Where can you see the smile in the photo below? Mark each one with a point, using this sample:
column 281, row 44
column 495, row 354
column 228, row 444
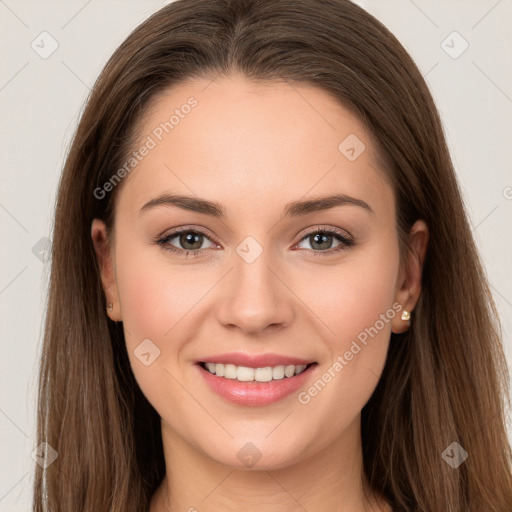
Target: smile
column 261, row 386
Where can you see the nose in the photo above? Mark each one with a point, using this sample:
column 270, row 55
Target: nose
column 255, row 297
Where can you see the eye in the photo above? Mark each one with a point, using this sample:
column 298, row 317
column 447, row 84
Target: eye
column 190, row 239
column 322, row 238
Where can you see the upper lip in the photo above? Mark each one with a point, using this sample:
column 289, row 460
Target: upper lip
column 254, row 360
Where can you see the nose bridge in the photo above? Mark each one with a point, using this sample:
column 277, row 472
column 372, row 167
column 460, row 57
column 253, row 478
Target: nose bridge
column 255, row 297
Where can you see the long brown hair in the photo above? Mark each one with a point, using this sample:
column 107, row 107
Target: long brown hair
column 445, row 380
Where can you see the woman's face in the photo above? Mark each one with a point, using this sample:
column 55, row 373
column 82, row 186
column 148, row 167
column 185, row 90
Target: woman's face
column 260, row 279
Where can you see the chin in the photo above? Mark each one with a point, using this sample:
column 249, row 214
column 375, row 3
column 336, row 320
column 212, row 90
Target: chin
column 255, row 456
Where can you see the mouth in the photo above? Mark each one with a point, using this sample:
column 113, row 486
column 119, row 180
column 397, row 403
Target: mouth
column 255, row 386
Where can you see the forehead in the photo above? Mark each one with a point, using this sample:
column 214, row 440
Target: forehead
column 252, row 145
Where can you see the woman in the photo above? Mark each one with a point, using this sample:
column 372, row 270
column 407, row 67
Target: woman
column 233, row 155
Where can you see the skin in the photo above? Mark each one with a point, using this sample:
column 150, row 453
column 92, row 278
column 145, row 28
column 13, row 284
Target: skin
column 254, row 148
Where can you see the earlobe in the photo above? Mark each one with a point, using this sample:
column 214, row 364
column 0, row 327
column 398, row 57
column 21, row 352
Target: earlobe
column 409, row 286
column 103, row 249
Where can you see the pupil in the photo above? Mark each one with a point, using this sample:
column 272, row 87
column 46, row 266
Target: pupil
column 189, row 238
column 323, row 237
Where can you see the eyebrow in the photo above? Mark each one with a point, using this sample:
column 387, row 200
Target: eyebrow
column 293, row 209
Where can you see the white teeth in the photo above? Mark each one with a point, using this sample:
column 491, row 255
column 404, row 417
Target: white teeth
column 246, row 374
column 289, row 370
column 278, row 372
column 263, row 374
column 230, row 371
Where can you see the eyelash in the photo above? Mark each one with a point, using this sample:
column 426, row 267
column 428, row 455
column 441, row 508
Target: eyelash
column 346, row 242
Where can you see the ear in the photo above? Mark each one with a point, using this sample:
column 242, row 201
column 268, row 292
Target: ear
column 106, row 261
column 409, row 279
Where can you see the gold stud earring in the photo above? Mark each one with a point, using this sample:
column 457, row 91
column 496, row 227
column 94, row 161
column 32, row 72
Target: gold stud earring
column 110, row 307
column 406, row 315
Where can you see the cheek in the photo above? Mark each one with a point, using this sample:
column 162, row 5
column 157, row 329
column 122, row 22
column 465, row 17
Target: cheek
column 142, row 290
column 356, row 305
column 152, row 304
column 155, row 294
column 157, row 301
column 350, row 296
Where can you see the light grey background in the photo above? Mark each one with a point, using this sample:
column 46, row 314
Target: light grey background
column 41, row 99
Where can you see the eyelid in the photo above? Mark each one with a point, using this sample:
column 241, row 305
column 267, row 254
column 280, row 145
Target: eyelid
column 329, row 230
column 189, row 229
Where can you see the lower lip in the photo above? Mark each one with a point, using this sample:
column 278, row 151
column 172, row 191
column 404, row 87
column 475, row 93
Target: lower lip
column 255, row 393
